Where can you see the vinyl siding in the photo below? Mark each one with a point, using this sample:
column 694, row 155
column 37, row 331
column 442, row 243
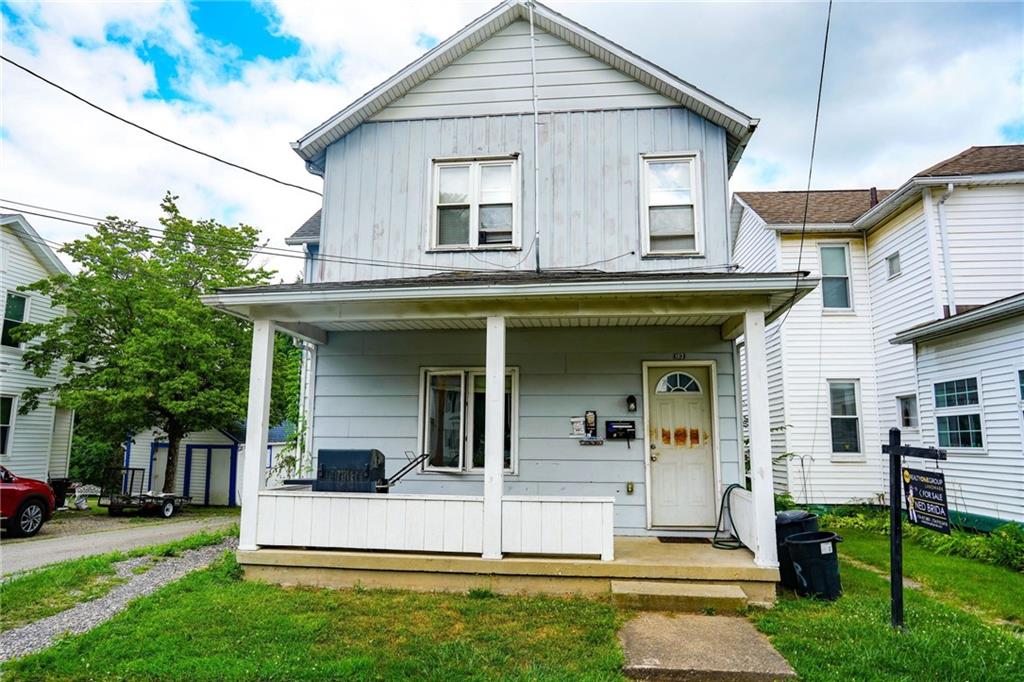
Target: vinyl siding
column 60, row 446
column 29, row 455
column 818, row 346
column 989, row 483
column 367, row 393
column 757, row 247
column 141, row 450
column 377, row 190
column 495, row 78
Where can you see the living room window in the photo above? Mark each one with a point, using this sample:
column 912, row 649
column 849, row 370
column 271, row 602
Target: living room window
column 670, row 216
column 958, row 414
column 476, row 204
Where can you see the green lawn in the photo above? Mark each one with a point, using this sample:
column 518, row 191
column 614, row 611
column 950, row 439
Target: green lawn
column 49, row 590
column 213, row 626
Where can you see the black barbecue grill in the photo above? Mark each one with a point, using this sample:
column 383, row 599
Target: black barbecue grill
column 356, row 471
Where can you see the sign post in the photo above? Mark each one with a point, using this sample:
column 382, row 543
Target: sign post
column 930, row 512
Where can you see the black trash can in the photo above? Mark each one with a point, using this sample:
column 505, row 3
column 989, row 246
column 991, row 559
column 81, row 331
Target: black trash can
column 60, row 491
column 816, row 564
column 789, row 523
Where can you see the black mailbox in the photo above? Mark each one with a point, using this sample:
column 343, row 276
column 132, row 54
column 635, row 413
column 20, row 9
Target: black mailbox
column 349, row 471
column 620, row 430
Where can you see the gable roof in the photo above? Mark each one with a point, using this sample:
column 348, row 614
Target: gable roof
column 738, row 126
column 1007, row 158
column 829, row 207
column 308, row 232
column 34, row 243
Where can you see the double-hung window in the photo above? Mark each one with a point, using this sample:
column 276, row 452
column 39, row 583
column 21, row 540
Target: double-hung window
column 6, row 423
column 671, row 205
column 476, row 204
column 453, row 418
column 958, row 414
column 835, row 277
column 15, row 308
column 844, row 417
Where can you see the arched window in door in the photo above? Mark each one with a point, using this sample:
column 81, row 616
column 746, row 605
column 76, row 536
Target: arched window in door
column 678, row 382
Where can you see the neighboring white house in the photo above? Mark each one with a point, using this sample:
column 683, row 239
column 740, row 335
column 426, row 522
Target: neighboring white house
column 885, row 257
column 488, row 271
column 37, row 444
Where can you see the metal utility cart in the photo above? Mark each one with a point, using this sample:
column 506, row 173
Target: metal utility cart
column 122, row 489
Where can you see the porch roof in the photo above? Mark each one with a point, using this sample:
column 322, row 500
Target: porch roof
column 462, row 300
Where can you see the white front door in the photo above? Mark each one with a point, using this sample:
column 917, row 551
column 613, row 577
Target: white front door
column 680, row 447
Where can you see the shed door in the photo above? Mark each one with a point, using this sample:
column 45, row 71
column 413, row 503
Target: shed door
column 219, row 472
column 681, row 447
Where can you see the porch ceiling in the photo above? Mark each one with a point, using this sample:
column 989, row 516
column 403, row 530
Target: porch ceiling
column 531, row 323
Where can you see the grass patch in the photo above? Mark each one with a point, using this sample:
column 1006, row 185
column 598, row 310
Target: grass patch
column 189, row 512
column 993, row 592
column 213, row 626
column 37, row 594
column 851, row 639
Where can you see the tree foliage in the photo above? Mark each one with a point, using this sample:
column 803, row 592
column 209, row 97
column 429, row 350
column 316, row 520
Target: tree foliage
column 138, row 349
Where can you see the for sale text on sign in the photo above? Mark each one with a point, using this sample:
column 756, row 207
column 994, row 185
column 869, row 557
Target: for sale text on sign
column 926, row 499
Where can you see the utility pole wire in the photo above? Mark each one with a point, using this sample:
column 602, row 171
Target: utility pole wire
column 155, row 134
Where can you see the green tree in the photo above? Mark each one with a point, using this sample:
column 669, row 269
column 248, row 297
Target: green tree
column 138, row 349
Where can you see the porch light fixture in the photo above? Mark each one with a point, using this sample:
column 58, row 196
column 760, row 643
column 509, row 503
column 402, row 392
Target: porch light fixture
column 631, row 403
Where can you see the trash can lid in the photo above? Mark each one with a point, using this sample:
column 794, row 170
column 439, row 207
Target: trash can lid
column 792, row 516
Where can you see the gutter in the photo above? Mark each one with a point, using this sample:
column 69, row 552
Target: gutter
column 993, row 312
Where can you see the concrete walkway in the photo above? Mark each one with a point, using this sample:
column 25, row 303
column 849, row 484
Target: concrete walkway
column 662, row 646
column 22, row 556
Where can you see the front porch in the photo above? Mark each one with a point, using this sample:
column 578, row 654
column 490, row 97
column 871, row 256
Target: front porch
column 560, row 512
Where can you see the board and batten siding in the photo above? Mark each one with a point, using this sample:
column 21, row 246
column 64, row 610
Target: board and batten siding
column 990, row 482
column 32, row 438
column 367, row 393
column 378, row 202
column 818, row 346
column 495, row 78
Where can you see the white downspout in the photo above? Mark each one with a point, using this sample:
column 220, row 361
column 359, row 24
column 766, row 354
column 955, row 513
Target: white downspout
column 536, row 141
column 947, row 263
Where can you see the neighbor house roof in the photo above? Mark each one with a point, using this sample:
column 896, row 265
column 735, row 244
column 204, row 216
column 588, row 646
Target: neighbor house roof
column 840, row 206
column 308, row 232
column 1007, row 158
column 738, row 126
column 1011, row 306
column 34, row 243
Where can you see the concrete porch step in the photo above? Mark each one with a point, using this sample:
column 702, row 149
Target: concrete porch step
column 649, row 595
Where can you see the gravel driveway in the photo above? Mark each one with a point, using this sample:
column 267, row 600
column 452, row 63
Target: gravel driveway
column 87, row 615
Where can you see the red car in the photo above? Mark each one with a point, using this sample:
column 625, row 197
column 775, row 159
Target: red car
column 25, row 503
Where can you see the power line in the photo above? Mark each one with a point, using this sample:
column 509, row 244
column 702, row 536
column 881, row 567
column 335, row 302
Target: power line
column 155, row 134
column 810, row 165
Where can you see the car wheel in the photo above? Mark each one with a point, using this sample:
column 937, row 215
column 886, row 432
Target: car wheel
column 167, row 510
column 29, row 519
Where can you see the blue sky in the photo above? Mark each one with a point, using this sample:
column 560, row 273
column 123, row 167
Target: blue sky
column 906, row 85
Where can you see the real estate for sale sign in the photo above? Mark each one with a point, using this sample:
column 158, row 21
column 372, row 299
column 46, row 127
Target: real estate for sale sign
column 925, row 492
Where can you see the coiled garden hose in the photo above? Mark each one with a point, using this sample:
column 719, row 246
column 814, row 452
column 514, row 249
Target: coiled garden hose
column 730, row 542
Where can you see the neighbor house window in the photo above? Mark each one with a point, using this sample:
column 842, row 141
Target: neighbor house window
column 454, row 416
column 958, row 414
column 6, row 423
column 670, row 205
column 835, row 277
column 14, row 316
column 845, row 421
column 907, row 406
column 892, row 265
column 476, row 204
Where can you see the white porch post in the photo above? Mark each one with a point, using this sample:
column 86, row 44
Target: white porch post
column 494, row 437
column 759, row 429
column 256, row 426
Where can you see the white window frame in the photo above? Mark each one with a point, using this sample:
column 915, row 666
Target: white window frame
column 474, row 164
column 466, row 418
column 889, row 260
column 917, row 410
column 860, row 455
column 696, row 195
column 1017, row 375
column 28, row 313
column 960, row 410
column 845, row 245
column 10, row 427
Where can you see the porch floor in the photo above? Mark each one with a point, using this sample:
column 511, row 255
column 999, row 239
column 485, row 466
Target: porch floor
column 636, row 558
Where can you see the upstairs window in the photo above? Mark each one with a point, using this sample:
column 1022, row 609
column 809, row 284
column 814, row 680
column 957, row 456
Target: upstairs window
column 14, row 315
column 835, row 277
column 892, row 265
column 476, row 204
column 670, row 205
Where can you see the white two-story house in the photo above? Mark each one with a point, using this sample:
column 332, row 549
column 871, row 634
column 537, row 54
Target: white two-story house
column 862, row 355
column 521, row 270
column 36, row 444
